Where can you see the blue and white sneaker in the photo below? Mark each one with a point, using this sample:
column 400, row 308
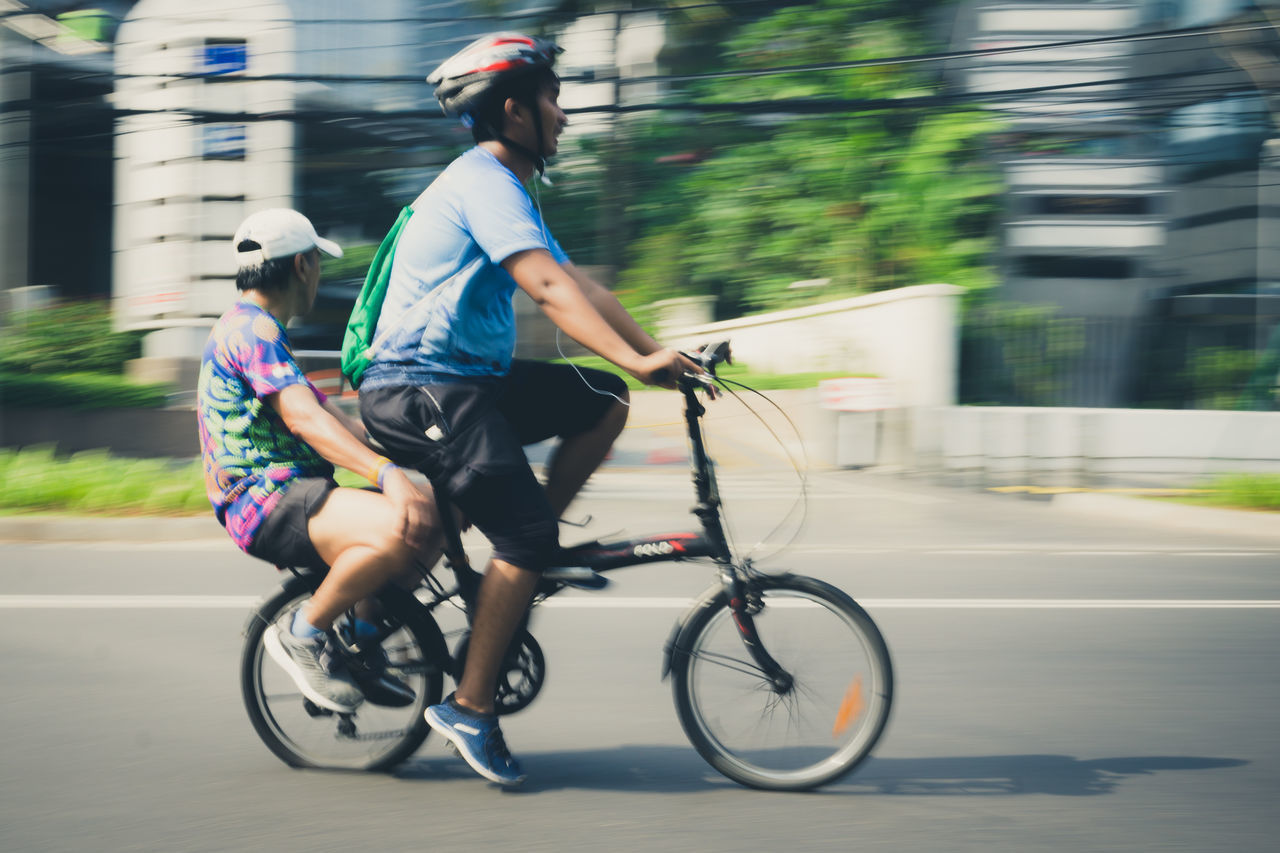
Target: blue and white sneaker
column 478, row 739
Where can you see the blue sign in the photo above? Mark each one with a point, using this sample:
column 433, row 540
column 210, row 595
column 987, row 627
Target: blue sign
column 222, row 141
column 224, row 58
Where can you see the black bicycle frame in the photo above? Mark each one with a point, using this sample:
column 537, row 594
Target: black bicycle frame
column 659, row 548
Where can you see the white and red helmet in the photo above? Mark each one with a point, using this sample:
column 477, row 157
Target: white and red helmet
column 462, row 80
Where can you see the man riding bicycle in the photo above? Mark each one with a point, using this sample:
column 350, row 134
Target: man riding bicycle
column 442, row 393
column 270, row 440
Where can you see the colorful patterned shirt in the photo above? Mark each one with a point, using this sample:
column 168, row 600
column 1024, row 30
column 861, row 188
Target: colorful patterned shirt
column 250, row 456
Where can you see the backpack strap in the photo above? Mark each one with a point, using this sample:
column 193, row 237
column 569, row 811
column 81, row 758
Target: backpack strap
column 358, row 339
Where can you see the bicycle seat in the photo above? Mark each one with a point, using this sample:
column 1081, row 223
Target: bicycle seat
column 580, row 577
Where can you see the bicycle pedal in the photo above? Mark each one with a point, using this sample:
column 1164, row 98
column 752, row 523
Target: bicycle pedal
column 579, row 577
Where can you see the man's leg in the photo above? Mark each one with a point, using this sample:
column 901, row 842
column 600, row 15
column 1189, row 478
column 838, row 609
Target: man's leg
column 501, row 604
column 512, row 510
column 356, row 533
column 577, row 457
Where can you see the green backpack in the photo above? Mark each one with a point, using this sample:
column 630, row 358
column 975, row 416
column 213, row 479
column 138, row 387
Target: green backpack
column 357, row 341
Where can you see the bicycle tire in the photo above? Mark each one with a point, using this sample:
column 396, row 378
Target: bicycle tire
column 806, row 736
column 314, row 738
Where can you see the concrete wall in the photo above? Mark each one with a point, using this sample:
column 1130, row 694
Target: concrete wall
column 138, row 433
column 909, row 336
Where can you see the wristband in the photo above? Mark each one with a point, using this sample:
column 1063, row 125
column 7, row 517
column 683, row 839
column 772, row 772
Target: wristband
column 382, row 472
column 374, row 474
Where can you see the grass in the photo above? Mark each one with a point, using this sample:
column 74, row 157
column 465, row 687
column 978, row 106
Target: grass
column 761, row 381
column 93, row 482
column 1239, row 491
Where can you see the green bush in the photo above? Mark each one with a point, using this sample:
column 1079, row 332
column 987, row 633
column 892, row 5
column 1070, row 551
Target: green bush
column 78, row 391
column 353, row 265
column 67, row 337
column 1016, row 355
column 93, row 481
column 1218, row 376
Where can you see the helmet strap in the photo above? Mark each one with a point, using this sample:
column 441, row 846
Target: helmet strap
column 539, row 162
column 538, row 158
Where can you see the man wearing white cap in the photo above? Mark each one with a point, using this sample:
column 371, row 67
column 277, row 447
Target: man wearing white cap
column 270, row 441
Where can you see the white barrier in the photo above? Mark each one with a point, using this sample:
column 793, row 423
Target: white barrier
column 908, row 336
column 1091, row 447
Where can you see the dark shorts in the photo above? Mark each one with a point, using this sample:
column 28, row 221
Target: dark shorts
column 282, row 537
column 468, row 438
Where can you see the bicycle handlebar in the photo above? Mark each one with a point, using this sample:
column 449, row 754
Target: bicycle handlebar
column 708, row 357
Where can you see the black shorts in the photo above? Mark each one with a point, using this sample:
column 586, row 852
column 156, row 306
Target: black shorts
column 468, row 438
column 282, row 538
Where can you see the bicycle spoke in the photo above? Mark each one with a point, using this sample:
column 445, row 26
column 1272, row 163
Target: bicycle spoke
column 731, row 663
column 373, row 736
column 821, row 723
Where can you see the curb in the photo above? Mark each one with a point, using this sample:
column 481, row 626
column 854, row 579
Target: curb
column 1236, row 522
column 51, row 528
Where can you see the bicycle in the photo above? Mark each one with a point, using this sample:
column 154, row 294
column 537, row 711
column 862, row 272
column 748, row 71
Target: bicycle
column 780, row 681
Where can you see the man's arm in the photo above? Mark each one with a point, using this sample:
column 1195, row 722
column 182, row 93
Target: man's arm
column 564, row 300
column 350, row 424
column 340, row 439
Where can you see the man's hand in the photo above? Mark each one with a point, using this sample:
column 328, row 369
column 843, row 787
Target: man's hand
column 415, row 510
column 663, row 368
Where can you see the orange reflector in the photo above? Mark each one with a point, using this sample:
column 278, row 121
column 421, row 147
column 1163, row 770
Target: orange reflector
column 850, row 707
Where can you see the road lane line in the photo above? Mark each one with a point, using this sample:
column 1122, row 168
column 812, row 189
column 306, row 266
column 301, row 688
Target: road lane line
column 127, row 602
column 245, row 602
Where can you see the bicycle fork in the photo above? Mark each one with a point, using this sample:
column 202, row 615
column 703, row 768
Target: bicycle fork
column 743, row 605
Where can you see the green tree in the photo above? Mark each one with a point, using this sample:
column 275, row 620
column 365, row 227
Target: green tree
column 867, row 200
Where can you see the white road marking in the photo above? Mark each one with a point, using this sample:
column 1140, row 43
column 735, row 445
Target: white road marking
column 605, row 602
column 128, row 602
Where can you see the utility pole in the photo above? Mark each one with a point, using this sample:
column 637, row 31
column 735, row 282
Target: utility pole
column 15, row 159
column 616, row 183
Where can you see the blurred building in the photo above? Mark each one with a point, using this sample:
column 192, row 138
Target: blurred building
column 1141, row 189
column 55, row 146
column 225, row 108
column 137, row 134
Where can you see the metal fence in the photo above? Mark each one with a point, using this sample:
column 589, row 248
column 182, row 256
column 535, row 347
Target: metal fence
column 1029, row 357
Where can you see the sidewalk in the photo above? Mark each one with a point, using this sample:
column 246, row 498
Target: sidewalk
column 204, row 529
column 1235, row 522
column 655, row 442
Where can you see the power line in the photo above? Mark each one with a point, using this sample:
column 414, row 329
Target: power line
column 908, row 59
column 801, row 105
column 953, row 55
column 530, row 14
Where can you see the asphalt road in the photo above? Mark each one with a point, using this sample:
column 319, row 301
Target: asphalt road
column 1062, row 685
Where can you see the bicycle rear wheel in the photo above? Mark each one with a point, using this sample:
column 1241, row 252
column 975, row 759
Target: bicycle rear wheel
column 372, row 737
column 769, row 734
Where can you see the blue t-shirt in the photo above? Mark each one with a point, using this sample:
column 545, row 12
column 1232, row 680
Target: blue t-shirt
column 448, row 305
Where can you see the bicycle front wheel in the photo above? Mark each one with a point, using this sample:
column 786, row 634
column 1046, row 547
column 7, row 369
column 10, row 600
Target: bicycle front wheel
column 372, row 737
column 806, row 728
